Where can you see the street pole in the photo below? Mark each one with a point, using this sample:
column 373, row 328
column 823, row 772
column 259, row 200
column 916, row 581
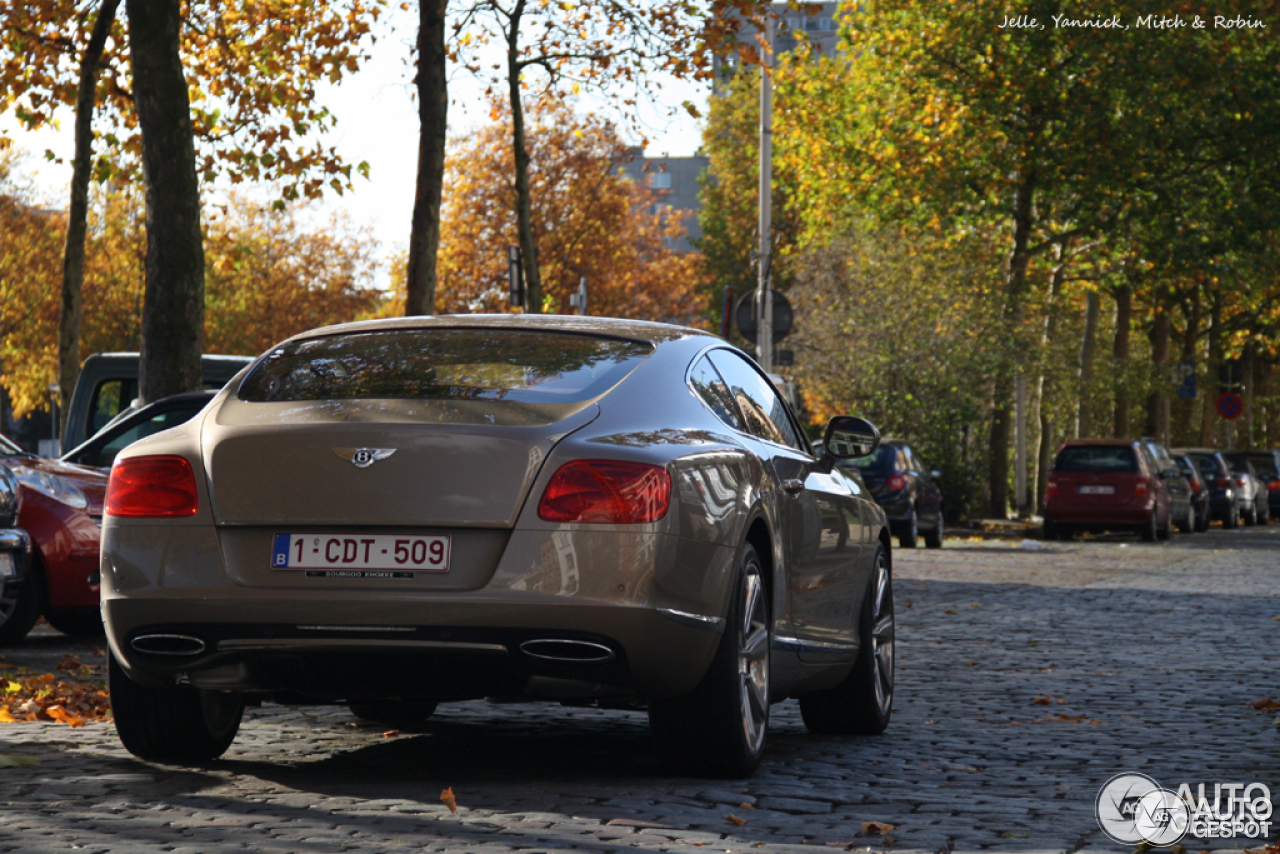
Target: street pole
column 764, row 295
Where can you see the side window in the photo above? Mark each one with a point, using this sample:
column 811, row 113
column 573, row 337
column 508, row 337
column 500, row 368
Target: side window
column 763, row 411
column 108, row 399
column 715, row 393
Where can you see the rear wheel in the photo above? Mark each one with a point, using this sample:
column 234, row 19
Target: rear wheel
column 1232, row 519
column 910, row 530
column 1188, row 522
column 1165, row 531
column 933, row 538
column 863, row 702
column 1264, row 514
column 1250, row 514
column 20, row 606
column 1051, row 531
column 1148, row 529
column 1202, row 520
column 77, row 622
column 174, row 723
column 393, row 711
column 719, row 729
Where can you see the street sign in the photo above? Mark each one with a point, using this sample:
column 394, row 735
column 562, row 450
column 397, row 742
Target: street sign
column 1229, row 405
column 745, row 315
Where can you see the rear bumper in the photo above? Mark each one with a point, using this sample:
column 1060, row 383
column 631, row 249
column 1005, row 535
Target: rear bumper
column 1102, row 517
column 653, row 602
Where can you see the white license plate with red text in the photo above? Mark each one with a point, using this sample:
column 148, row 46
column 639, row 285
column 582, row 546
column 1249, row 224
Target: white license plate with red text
column 355, row 551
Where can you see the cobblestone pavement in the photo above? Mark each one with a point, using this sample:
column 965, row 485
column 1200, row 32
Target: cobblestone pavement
column 1152, row 655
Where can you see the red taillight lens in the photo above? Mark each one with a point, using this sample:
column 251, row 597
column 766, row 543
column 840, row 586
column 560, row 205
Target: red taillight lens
column 1140, row 488
column 1274, row 486
column 1051, row 488
column 606, row 491
column 1240, row 481
column 895, row 483
column 149, row 487
column 1223, row 482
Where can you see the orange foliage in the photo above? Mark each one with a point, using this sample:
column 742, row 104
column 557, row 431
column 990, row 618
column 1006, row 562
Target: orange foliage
column 590, row 220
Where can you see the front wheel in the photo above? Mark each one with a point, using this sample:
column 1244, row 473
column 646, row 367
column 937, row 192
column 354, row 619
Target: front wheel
column 174, row 723
column 863, row 702
column 719, row 729
column 20, row 606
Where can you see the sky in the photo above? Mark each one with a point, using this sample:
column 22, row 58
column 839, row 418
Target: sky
column 378, row 123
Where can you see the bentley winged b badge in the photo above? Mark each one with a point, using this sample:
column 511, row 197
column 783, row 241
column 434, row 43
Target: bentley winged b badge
column 362, row 458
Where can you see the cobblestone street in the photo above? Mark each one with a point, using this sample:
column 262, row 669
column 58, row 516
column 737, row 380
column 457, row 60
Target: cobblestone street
column 1143, row 658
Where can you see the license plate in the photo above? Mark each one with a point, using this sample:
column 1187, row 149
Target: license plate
column 1097, row 490
column 6, row 565
column 370, row 551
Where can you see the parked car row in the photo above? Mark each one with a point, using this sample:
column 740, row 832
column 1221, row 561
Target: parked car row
column 1139, row 485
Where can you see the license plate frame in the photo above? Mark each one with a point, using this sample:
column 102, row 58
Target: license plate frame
column 1098, row 490
column 377, row 554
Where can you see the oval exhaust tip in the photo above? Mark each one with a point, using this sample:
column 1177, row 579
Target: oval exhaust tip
column 168, row 644
column 566, row 651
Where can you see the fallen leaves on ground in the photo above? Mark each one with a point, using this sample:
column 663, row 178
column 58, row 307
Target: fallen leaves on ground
column 1046, row 700
column 1066, row 719
column 76, row 667
column 876, row 828
column 1267, row 705
column 1273, row 848
column 48, row 698
column 447, row 798
column 735, row 819
column 391, row 733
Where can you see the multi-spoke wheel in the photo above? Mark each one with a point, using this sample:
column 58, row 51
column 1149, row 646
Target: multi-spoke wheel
column 20, row 606
column 719, row 729
column 863, row 702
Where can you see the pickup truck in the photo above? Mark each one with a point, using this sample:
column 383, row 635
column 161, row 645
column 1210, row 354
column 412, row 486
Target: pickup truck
column 109, row 383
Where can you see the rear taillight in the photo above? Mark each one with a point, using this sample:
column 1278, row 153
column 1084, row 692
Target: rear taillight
column 1223, row 482
column 1051, row 488
column 1240, row 480
column 895, row 483
column 151, row 487
column 606, row 491
column 1274, row 486
column 1196, row 486
column 1140, row 488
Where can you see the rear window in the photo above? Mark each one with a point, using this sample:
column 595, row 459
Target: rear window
column 1097, row 459
column 1208, row 465
column 882, row 459
column 1262, row 464
column 459, row 364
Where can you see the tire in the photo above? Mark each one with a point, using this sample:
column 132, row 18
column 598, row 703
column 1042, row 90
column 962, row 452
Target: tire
column 933, row 538
column 77, row 622
column 1264, row 514
column 863, row 703
column 175, row 723
column 1188, row 523
column 1202, row 520
column 1148, row 529
column 1051, row 531
column 404, row 712
column 1165, row 531
column 718, row 730
column 20, row 606
column 1251, row 514
column 1232, row 519
column 910, row 530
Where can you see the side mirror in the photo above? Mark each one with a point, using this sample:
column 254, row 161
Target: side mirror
column 847, row 438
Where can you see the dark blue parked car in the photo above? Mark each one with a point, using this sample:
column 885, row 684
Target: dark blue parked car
column 906, row 490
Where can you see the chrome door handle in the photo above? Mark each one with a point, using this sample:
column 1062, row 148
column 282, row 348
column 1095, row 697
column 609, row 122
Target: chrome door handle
column 793, row 486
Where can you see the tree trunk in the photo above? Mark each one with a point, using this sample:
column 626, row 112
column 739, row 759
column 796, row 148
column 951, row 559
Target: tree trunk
column 1088, row 355
column 1190, row 416
column 1120, row 359
column 78, row 211
column 1015, row 291
column 173, row 308
column 524, row 206
column 433, row 108
column 1158, row 400
column 1249, row 366
column 1209, row 415
column 1045, row 385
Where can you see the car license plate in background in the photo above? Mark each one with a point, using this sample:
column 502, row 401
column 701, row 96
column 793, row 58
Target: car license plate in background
column 1097, row 490
column 360, row 552
column 6, row 565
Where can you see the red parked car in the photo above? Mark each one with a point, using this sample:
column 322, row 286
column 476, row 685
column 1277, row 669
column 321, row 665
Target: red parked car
column 62, row 511
column 1107, row 485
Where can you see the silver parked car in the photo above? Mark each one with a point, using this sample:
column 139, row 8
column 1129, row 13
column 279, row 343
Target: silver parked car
column 394, row 514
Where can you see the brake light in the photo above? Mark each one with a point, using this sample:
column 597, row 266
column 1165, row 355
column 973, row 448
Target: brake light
column 607, row 492
column 1050, row 488
column 1240, row 480
column 151, row 487
column 1223, row 482
column 1140, row 488
column 1196, row 486
column 895, row 483
column 1274, row 486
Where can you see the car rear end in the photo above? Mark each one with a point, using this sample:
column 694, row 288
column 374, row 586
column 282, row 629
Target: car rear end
column 1224, row 498
column 1099, row 487
column 1267, row 466
column 15, row 548
column 407, row 515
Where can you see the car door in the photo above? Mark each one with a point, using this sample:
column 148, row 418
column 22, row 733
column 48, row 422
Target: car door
column 822, row 531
